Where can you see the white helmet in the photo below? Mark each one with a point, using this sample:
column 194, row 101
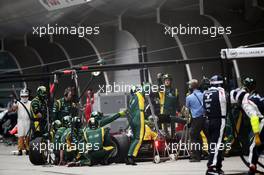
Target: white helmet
column 24, row 93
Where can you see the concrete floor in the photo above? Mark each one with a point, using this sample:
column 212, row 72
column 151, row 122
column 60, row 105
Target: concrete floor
column 10, row 164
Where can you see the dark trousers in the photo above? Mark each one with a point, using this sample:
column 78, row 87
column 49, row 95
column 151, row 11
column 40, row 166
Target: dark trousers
column 197, row 125
column 216, row 134
column 255, row 151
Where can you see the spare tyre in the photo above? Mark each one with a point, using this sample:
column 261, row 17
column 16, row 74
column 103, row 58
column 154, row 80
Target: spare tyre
column 37, row 151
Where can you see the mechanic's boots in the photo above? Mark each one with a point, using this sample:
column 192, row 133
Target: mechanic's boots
column 73, row 164
column 130, row 161
column 105, row 162
column 220, row 171
column 214, row 171
column 252, row 170
column 20, row 153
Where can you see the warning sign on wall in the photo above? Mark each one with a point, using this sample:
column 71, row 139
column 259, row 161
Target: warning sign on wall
column 243, row 52
column 59, row 4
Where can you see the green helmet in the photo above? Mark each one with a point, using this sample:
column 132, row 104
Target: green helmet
column 56, row 124
column 66, row 121
column 146, row 88
column 249, row 84
column 133, row 89
column 97, row 115
column 42, row 92
column 167, row 76
column 93, row 123
column 76, row 122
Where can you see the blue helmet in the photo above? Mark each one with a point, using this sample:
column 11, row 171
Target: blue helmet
column 216, row 80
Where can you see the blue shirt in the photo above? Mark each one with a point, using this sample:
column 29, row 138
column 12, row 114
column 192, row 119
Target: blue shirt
column 195, row 105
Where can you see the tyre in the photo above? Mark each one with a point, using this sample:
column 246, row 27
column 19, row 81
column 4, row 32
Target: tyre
column 121, row 144
column 36, row 155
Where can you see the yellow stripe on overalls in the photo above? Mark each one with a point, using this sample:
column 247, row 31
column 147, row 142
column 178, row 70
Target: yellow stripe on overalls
column 68, row 142
column 141, row 104
column 59, row 103
column 85, row 135
column 102, row 130
column 162, row 100
column 106, row 148
column 36, row 123
column 204, row 140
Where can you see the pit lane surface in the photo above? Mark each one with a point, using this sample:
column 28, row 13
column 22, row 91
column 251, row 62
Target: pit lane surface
column 10, row 165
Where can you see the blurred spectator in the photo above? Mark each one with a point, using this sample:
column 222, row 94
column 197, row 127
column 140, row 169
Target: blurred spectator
column 89, row 104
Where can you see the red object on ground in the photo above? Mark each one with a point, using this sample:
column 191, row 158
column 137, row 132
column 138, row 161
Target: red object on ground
column 179, row 125
column 13, row 131
column 89, row 107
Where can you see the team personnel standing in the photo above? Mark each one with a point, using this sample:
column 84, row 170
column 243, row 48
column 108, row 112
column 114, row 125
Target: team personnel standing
column 89, row 104
column 39, row 113
column 64, row 106
column 215, row 104
column 169, row 102
column 253, row 106
column 194, row 102
column 23, row 121
column 137, row 123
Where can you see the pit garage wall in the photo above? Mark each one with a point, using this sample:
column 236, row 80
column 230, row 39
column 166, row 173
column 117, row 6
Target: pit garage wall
column 163, row 47
column 148, row 33
column 27, row 57
column 247, row 24
column 127, row 46
column 66, row 51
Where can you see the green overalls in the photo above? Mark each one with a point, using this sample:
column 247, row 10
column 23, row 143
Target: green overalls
column 71, row 140
column 63, row 108
column 100, row 140
column 168, row 101
column 137, row 122
column 57, row 142
column 168, row 104
column 38, row 124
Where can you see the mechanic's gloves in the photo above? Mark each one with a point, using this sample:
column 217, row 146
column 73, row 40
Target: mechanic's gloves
column 257, row 139
column 123, row 113
column 73, row 164
column 254, row 120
